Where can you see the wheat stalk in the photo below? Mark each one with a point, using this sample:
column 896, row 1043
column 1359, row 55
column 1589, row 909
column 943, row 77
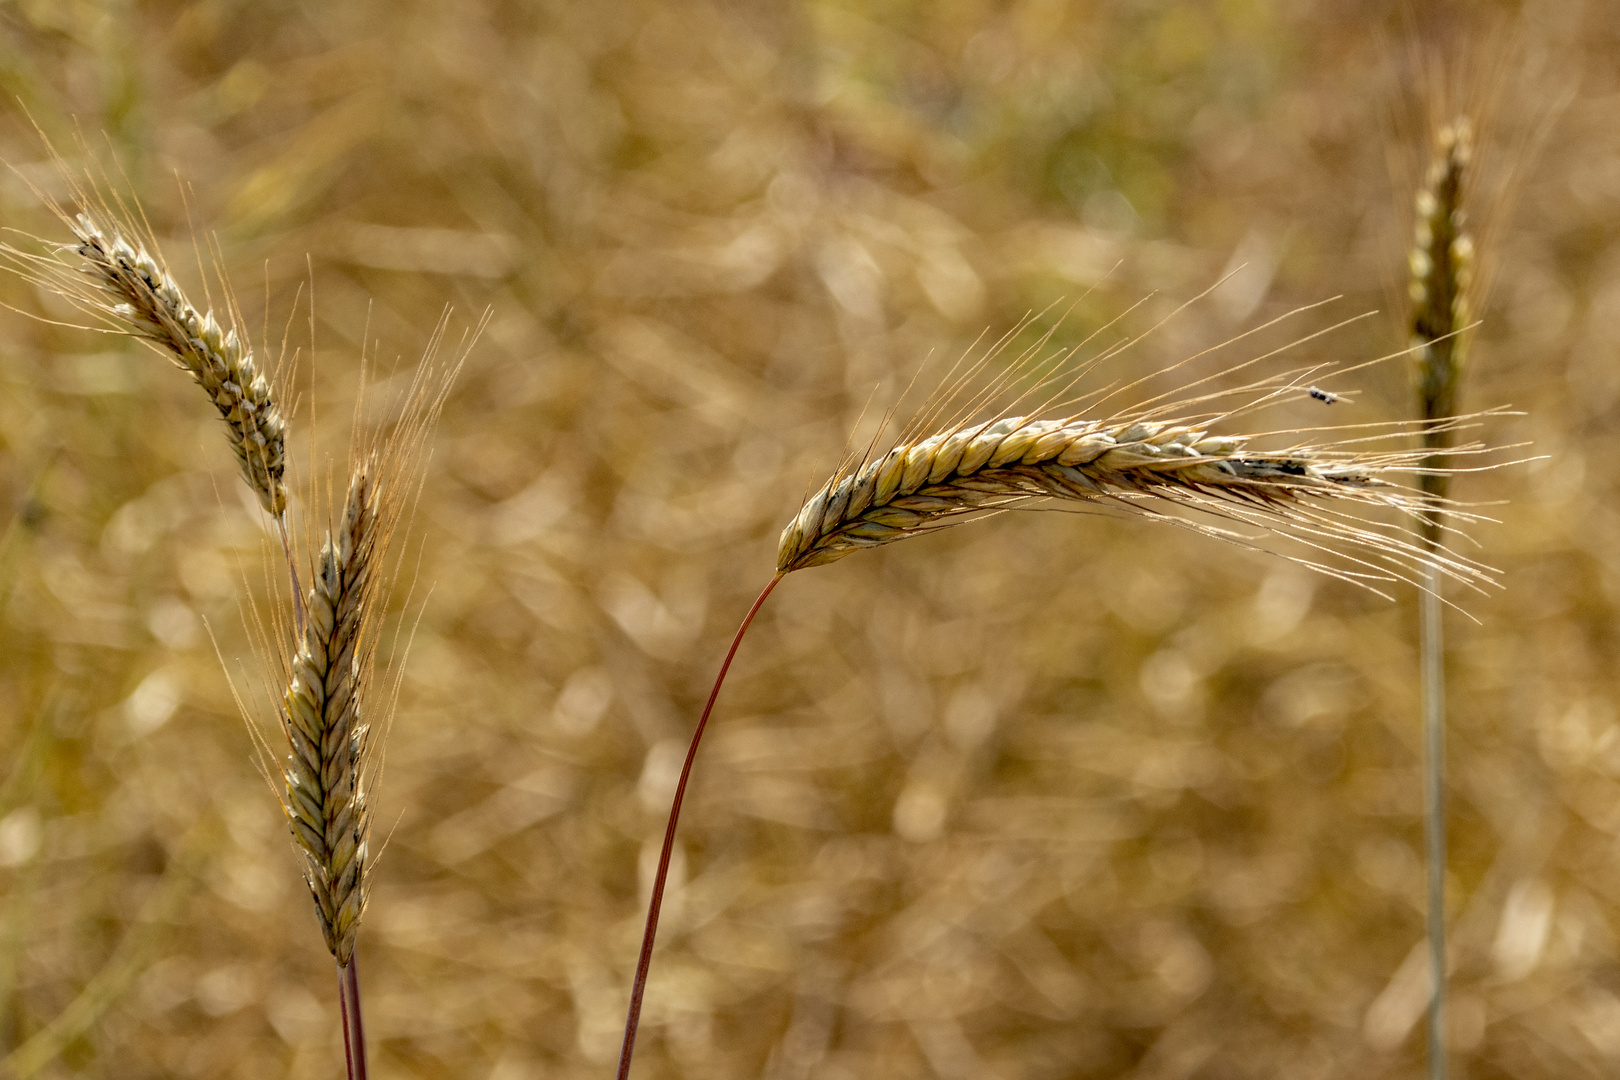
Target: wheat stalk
column 326, row 775
column 321, row 657
column 328, row 712
column 1134, row 460
column 1441, row 262
column 122, row 285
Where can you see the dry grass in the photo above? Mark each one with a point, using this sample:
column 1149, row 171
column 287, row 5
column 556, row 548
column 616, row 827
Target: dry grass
column 1176, row 831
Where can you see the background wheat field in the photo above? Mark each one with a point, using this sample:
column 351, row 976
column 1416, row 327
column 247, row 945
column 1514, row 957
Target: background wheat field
column 1050, row 796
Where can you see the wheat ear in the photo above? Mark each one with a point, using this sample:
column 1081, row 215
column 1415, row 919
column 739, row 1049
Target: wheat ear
column 1442, row 267
column 1442, row 271
column 321, row 713
column 122, row 283
column 137, row 291
column 923, row 484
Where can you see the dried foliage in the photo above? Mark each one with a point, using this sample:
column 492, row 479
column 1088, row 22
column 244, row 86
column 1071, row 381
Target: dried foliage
column 1043, row 797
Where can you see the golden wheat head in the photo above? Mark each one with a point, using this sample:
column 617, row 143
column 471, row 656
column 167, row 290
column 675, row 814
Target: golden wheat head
column 112, row 272
column 1145, row 461
column 332, row 716
column 134, row 289
column 321, row 713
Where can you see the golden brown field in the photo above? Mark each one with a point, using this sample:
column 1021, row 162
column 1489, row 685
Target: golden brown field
column 1049, row 796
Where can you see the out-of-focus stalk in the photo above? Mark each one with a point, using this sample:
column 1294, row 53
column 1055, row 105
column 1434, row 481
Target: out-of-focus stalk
column 1442, row 270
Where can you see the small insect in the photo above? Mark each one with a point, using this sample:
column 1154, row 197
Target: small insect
column 1323, row 396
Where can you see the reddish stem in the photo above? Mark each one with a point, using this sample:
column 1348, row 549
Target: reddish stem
column 354, row 1032
column 644, row 963
column 343, row 1014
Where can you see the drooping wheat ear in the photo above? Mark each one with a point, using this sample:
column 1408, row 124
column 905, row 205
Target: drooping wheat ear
column 1442, row 266
column 135, row 290
column 322, row 713
column 923, row 484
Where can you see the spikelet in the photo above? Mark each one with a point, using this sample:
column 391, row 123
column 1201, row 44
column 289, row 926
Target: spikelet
column 1442, row 266
column 135, row 290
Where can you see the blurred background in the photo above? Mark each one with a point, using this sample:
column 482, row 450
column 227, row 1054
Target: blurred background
column 1049, row 796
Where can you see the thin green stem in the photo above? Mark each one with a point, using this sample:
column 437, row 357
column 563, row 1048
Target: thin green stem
column 632, row 1021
